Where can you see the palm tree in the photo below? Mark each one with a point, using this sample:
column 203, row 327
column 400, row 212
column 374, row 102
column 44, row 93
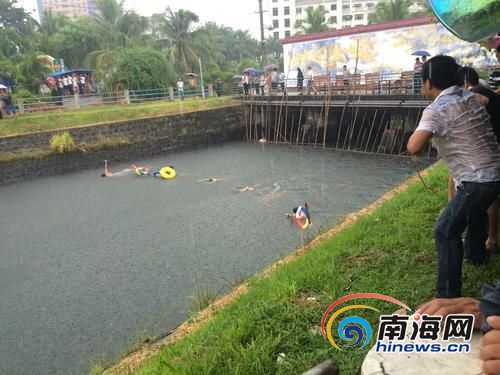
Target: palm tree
column 177, row 29
column 391, row 10
column 314, row 21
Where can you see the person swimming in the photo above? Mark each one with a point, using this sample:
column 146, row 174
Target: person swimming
column 246, row 188
column 211, row 180
column 299, row 212
column 108, row 173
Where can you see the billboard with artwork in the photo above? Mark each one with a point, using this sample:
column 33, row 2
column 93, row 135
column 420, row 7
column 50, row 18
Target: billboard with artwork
column 383, row 50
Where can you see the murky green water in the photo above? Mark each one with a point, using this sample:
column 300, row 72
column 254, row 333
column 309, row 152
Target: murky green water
column 89, row 264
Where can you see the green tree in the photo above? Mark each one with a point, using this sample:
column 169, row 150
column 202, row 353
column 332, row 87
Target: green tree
column 139, row 69
column 74, row 41
column 17, row 29
column 315, row 21
column 391, row 10
column 177, row 30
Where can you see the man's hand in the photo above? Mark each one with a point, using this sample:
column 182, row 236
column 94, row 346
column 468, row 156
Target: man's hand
column 490, row 347
column 447, row 306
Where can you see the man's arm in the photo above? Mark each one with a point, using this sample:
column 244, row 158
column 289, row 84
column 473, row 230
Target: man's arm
column 490, row 347
column 418, row 141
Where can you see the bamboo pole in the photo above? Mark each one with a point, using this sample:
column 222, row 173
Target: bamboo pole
column 299, row 125
column 359, row 133
column 353, row 126
column 341, row 121
column 378, row 131
column 371, row 129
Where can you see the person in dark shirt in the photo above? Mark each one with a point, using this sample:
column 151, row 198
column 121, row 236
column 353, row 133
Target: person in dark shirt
column 491, row 101
column 8, row 104
column 488, row 98
column 300, row 80
column 494, row 79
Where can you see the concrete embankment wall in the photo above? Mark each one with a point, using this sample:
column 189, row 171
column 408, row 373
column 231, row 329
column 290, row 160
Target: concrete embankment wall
column 147, row 138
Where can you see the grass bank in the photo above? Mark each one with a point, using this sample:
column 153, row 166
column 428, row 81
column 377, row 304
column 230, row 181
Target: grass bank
column 390, row 251
column 70, row 118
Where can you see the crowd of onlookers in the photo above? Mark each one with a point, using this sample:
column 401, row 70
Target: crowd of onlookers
column 70, row 84
column 273, row 82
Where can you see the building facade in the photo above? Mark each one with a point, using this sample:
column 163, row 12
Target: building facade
column 282, row 16
column 384, row 48
column 72, row 8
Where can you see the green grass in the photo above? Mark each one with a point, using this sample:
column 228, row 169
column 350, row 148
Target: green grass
column 390, row 251
column 101, row 144
column 70, row 118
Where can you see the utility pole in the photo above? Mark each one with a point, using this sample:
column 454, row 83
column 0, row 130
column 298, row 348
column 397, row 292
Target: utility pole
column 262, row 45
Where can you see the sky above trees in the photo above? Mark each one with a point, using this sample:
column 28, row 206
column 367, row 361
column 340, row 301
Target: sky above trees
column 238, row 14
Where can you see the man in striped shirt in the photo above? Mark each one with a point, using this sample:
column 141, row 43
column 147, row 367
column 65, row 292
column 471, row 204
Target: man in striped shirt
column 460, row 129
column 494, row 79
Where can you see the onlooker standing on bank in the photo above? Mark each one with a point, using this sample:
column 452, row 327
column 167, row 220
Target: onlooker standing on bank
column 300, row 80
column 180, row 88
column 310, row 81
column 460, row 129
column 494, row 80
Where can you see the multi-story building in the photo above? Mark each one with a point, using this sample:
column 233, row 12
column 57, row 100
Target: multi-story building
column 282, row 16
column 72, row 8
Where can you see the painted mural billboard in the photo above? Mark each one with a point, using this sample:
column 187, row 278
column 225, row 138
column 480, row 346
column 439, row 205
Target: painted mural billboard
column 383, row 51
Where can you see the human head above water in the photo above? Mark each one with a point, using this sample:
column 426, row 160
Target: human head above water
column 441, row 72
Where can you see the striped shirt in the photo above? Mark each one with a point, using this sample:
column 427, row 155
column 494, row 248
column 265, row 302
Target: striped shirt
column 494, row 80
column 463, row 135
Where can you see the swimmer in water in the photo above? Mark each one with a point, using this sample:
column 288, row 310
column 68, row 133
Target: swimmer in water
column 211, row 180
column 107, row 172
column 246, row 188
column 299, row 212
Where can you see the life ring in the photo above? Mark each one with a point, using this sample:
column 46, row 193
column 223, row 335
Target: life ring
column 167, row 173
column 301, row 218
column 141, row 171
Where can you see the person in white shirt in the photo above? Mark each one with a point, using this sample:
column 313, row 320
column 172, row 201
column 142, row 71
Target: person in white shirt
column 180, row 88
column 460, row 129
column 310, row 81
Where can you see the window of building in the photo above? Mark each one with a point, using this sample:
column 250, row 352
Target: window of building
column 287, row 22
column 346, row 6
column 298, row 11
column 275, row 1
column 275, row 12
column 333, row 7
column 358, row 6
column 287, row 11
column 369, row 5
column 298, row 23
column 332, row 19
column 347, row 17
column 287, row 33
column 276, row 24
column 322, row 8
column 359, row 17
column 276, row 35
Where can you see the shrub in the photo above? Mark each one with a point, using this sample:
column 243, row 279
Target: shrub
column 63, row 142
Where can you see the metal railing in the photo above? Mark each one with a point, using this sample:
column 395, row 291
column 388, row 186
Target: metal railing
column 80, row 101
column 380, row 83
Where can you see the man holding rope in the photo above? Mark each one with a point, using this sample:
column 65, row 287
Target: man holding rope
column 459, row 127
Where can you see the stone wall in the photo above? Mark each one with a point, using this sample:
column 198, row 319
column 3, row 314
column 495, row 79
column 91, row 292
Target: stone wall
column 148, row 137
column 188, row 128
